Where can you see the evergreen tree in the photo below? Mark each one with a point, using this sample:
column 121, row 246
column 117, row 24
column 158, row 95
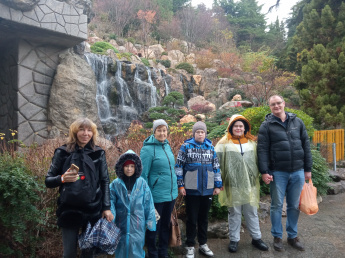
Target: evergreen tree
column 320, row 45
column 246, row 19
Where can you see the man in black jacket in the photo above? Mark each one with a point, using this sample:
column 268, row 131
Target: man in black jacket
column 285, row 163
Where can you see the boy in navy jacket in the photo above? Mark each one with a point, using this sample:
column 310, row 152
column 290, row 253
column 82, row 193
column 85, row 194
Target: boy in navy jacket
column 198, row 178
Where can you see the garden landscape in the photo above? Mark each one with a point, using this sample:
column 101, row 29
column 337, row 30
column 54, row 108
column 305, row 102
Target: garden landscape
column 126, row 63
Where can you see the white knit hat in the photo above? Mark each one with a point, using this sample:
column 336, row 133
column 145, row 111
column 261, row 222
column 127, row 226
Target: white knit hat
column 157, row 123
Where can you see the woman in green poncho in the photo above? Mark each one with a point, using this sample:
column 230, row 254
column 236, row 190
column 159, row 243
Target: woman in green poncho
column 237, row 156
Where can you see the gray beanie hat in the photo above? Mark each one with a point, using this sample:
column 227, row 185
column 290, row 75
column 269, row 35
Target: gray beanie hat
column 199, row 126
column 157, row 123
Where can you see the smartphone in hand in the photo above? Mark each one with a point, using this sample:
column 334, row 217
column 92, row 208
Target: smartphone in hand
column 74, row 168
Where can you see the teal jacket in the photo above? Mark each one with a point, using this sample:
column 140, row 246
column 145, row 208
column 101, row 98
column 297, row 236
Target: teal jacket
column 158, row 169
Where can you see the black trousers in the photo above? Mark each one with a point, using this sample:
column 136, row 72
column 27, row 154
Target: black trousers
column 70, row 243
column 197, row 208
column 164, row 210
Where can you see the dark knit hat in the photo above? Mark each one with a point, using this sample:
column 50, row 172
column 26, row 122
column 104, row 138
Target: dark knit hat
column 199, row 126
column 157, row 123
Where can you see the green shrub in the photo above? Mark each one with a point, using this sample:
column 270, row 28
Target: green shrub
column 166, row 63
column 235, row 92
column 221, row 116
column 185, row 66
column 217, row 211
column 164, row 53
column 145, row 61
column 102, row 47
column 112, row 36
column 257, row 115
column 218, row 131
column 124, row 55
column 132, row 40
column 148, row 125
column 19, row 217
column 319, row 172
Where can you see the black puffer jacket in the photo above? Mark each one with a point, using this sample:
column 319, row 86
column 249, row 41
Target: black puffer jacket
column 283, row 149
column 69, row 216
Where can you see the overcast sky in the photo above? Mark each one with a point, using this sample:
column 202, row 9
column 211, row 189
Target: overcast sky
column 282, row 12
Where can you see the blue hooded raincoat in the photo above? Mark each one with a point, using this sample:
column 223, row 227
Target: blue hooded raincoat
column 134, row 213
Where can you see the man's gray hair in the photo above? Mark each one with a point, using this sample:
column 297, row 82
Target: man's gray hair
column 275, row 96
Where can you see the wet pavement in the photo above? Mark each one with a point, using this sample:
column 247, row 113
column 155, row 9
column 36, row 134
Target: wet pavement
column 323, row 235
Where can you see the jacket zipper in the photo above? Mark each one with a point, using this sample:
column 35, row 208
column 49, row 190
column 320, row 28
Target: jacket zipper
column 241, row 147
column 289, row 139
column 170, row 172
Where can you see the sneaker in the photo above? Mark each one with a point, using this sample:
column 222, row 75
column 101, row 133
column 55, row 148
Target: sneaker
column 278, row 244
column 259, row 244
column 205, row 250
column 190, row 252
column 295, row 243
column 233, row 246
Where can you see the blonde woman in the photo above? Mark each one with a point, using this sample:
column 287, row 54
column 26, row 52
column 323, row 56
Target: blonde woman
column 83, row 186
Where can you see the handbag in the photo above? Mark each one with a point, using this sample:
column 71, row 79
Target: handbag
column 308, row 203
column 104, row 236
column 175, row 232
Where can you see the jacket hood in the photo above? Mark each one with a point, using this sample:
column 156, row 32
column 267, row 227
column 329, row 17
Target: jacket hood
column 270, row 117
column 207, row 142
column 236, row 118
column 128, row 155
column 151, row 140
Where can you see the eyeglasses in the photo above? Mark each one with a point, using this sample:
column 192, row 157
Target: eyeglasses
column 276, row 104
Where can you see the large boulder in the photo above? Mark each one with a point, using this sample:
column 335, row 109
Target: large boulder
column 234, row 104
column 73, row 92
column 190, row 58
column 155, row 51
column 187, row 119
column 176, row 55
column 21, row 5
column 202, row 104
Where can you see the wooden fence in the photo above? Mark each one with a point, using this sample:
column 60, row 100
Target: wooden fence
column 324, row 140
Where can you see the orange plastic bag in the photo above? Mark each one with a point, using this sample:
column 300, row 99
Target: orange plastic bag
column 308, row 203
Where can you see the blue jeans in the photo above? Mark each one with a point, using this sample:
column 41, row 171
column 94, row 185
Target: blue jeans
column 291, row 184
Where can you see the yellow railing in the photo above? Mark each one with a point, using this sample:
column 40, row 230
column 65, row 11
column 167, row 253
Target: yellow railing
column 326, row 138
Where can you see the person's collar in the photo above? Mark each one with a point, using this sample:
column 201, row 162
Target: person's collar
column 281, row 120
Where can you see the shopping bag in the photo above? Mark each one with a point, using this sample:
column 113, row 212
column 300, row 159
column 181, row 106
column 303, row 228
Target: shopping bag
column 103, row 236
column 175, row 232
column 308, row 203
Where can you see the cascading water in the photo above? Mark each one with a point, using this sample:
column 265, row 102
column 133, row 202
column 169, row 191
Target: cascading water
column 99, row 65
column 124, row 92
column 167, row 88
column 153, row 88
column 121, row 98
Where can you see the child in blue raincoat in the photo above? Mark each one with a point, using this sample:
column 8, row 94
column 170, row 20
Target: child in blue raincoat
column 132, row 206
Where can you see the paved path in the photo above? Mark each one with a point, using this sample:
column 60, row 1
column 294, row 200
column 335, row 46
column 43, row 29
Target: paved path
column 323, row 235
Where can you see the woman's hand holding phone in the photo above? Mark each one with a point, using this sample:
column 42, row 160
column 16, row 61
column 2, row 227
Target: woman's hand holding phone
column 71, row 175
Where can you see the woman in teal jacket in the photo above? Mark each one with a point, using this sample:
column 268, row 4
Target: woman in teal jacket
column 158, row 170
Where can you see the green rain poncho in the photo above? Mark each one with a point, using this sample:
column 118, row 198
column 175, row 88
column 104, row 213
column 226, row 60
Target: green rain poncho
column 240, row 174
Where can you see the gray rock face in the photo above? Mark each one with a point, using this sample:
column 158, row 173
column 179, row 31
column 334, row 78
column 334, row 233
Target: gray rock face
column 73, row 92
column 22, row 5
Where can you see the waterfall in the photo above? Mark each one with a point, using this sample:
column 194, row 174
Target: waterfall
column 99, row 65
column 120, row 97
column 123, row 86
column 153, row 88
column 167, row 88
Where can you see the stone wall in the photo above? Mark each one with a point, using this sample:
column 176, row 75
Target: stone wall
column 30, row 43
